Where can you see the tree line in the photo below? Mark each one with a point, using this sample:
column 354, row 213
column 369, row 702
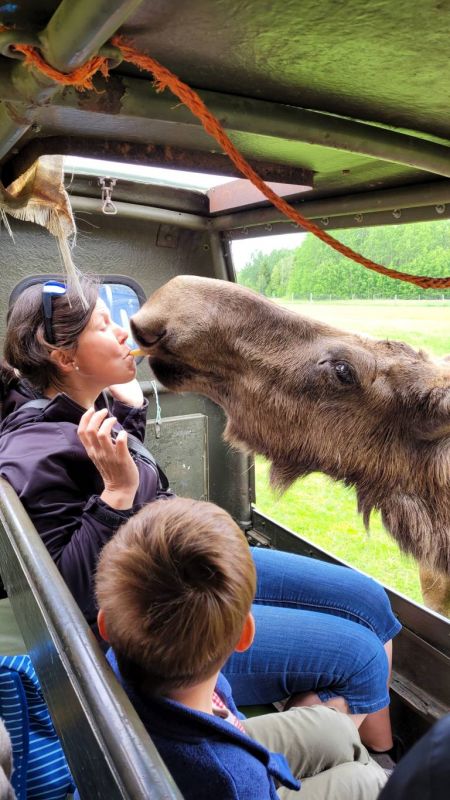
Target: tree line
column 315, row 269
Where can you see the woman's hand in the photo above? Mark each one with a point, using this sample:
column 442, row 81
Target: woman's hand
column 112, row 458
column 129, row 393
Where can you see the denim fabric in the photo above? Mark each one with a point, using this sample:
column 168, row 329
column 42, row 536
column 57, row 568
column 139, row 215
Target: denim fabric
column 319, row 627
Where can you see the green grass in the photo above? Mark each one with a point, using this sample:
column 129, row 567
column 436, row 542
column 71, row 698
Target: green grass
column 325, row 512
column 420, row 324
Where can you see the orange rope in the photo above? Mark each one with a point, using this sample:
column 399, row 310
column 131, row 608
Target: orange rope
column 82, row 79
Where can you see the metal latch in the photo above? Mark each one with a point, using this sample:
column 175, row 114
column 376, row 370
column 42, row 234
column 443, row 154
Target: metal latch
column 107, row 185
column 258, row 539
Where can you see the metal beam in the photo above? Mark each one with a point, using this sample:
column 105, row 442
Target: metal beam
column 133, row 97
column 150, row 154
column 345, row 222
column 427, row 194
column 76, row 31
column 148, row 213
column 218, row 256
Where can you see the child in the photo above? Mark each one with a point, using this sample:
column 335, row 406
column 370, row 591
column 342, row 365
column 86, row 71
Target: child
column 174, row 588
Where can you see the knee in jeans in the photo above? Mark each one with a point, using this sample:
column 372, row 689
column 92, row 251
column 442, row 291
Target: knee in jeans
column 376, row 598
column 370, row 655
column 338, row 703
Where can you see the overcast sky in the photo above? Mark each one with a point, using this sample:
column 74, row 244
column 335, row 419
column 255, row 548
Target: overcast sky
column 243, row 249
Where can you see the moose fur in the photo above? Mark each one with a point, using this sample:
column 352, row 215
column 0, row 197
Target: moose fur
column 374, row 414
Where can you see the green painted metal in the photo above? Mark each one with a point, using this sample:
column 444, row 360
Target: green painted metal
column 75, row 32
column 357, row 92
column 247, row 119
column 14, row 123
column 150, row 213
column 381, row 60
column 435, row 194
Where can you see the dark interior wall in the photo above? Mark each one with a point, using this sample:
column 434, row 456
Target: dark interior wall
column 105, row 244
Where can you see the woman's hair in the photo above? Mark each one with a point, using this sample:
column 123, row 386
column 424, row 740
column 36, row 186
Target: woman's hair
column 175, row 583
column 26, row 350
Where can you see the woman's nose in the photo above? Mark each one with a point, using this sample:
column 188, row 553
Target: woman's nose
column 121, row 333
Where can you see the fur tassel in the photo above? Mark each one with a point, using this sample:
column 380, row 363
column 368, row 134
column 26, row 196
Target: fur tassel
column 39, row 197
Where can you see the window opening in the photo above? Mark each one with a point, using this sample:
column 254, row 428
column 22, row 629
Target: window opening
column 308, row 278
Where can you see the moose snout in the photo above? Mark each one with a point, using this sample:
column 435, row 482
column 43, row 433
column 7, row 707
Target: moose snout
column 147, row 336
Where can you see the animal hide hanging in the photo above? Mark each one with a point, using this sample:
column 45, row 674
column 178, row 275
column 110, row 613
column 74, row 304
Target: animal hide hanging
column 39, row 196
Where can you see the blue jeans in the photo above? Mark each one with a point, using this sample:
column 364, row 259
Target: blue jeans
column 319, row 627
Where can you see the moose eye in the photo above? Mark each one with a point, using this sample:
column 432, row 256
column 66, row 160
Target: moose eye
column 344, row 372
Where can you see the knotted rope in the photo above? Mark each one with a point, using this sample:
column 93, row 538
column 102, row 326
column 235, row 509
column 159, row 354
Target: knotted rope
column 82, row 77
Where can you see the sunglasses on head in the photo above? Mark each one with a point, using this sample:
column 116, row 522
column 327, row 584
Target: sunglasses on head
column 50, row 289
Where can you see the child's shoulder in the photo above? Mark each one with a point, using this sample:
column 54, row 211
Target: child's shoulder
column 215, row 765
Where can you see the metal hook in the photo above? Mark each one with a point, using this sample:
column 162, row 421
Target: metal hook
column 107, row 185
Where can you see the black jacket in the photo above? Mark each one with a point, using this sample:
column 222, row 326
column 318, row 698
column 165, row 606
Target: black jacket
column 43, row 459
column 424, row 773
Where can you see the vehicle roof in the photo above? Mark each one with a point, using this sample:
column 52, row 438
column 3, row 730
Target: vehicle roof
column 342, row 96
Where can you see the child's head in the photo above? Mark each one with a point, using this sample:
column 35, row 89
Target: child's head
column 175, row 586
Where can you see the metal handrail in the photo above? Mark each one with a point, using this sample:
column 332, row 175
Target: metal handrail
column 108, row 749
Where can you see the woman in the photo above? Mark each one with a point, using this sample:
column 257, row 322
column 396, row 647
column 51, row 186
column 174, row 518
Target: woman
column 323, row 632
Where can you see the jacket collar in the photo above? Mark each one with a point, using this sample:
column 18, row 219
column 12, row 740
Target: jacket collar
column 171, row 720
column 60, row 408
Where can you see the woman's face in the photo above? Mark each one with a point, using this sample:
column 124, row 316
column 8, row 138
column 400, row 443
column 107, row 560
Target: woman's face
column 102, row 355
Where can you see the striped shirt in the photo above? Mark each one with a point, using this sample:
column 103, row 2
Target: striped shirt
column 220, row 710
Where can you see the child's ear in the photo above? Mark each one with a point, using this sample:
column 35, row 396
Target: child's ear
column 101, row 623
column 247, row 635
column 64, row 359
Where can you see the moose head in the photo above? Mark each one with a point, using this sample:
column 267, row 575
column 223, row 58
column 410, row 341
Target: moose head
column 372, row 413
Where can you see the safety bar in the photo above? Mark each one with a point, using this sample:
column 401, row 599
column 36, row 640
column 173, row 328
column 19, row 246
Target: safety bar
column 110, row 754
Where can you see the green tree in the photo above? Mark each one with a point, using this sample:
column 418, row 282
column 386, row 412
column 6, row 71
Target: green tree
column 315, row 268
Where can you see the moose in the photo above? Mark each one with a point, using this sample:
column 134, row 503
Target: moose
column 374, row 414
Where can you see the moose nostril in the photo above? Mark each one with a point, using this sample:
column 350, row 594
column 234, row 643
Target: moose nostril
column 146, row 341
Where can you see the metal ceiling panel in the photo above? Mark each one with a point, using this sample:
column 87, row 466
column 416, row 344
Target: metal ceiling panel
column 357, row 92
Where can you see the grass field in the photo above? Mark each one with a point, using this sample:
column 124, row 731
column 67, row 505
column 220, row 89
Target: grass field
column 324, row 511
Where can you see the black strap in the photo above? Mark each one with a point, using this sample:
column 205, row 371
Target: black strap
column 135, row 446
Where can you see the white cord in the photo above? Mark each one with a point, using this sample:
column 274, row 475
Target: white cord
column 158, row 410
